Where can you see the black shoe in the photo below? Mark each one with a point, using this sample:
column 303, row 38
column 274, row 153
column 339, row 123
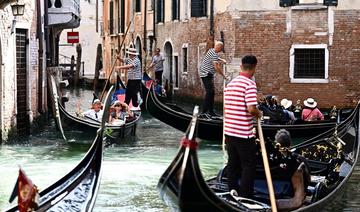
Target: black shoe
column 205, row 116
column 214, row 115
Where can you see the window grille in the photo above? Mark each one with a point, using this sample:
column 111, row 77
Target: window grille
column 309, row 63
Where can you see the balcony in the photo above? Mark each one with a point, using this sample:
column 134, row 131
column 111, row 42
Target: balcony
column 64, row 14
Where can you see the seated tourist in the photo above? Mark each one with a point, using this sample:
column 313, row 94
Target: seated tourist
column 311, row 112
column 120, row 113
column 286, row 104
column 159, row 90
column 272, row 112
column 296, row 170
column 95, row 113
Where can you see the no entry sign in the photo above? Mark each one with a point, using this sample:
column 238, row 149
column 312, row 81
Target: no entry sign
column 73, row 37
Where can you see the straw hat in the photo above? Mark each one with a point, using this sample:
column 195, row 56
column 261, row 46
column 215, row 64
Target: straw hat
column 310, row 102
column 116, row 102
column 132, row 51
column 96, row 101
column 286, row 103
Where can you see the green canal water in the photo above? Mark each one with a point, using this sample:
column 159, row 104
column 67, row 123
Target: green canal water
column 131, row 169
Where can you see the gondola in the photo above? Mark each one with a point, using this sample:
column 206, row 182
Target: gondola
column 211, row 129
column 183, row 188
column 77, row 190
column 72, row 121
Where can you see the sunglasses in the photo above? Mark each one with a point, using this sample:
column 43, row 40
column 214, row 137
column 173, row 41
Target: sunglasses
column 117, row 106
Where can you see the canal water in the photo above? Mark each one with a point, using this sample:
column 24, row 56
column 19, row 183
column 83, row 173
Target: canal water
column 131, row 169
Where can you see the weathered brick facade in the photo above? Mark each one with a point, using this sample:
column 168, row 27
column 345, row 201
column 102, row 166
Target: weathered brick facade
column 270, row 32
column 267, row 35
column 8, row 108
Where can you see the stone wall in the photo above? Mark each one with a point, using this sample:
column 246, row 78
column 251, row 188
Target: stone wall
column 8, row 91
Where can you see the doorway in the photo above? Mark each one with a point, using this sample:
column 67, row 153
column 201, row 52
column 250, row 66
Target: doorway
column 168, row 69
column 22, row 117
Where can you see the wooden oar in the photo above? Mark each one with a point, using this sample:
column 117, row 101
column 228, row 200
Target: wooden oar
column 266, row 167
column 113, row 66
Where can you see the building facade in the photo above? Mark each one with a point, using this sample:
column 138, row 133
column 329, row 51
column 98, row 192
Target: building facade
column 89, row 37
column 305, row 48
column 19, row 69
column 28, row 45
column 127, row 23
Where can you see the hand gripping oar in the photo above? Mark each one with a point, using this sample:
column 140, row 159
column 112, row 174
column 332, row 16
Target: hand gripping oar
column 266, row 167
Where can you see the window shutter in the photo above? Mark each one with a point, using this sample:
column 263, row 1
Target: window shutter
column 287, row 3
column 330, row 2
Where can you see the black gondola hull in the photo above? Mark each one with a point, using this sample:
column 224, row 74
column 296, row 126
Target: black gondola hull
column 211, row 129
column 183, row 188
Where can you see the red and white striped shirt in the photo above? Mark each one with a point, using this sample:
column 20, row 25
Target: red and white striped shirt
column 239, row 93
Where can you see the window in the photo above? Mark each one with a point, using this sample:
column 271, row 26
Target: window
column 175, row 9
column 121, row 16
column 176, row 64
column 137, row 6
column 160, row 11
column 185, row 59
column 289, row 3
column 198, row 8
column 111, row 15
column 309, row 63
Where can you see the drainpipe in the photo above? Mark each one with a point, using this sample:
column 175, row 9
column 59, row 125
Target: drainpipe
column 212, row 17
column 46, row 33
column 154, row 20
column 40, row 52
column 145, row 43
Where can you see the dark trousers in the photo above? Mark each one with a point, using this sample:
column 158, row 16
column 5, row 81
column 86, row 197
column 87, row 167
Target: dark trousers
column 158, row 76
column 241, row 165
column 132, row 88
column 208, row 104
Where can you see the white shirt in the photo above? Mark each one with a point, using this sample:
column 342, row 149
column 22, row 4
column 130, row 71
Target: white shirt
column 93, row 115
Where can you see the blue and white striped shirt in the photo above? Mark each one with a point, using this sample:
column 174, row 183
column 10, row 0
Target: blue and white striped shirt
column 134, row 73
column 206, row 66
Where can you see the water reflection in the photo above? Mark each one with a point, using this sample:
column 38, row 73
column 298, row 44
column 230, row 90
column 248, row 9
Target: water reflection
column 131, row 169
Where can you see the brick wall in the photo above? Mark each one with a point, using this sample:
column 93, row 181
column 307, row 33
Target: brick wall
column 269, row 36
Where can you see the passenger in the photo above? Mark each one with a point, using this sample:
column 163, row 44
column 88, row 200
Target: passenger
column 95, row 113
column 286, row 104
column 159, row 90
column 273, row 112
column 296, row 170
column 120, row 114
column 311, row 112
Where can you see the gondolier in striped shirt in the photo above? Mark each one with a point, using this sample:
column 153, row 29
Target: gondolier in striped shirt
column 240, row 101
column 211, row 64
column 133, row 67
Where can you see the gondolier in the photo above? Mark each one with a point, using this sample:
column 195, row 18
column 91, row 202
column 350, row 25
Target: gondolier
column 210, row 65
column 158, row 64
column 133, row 67
column 240, row 101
